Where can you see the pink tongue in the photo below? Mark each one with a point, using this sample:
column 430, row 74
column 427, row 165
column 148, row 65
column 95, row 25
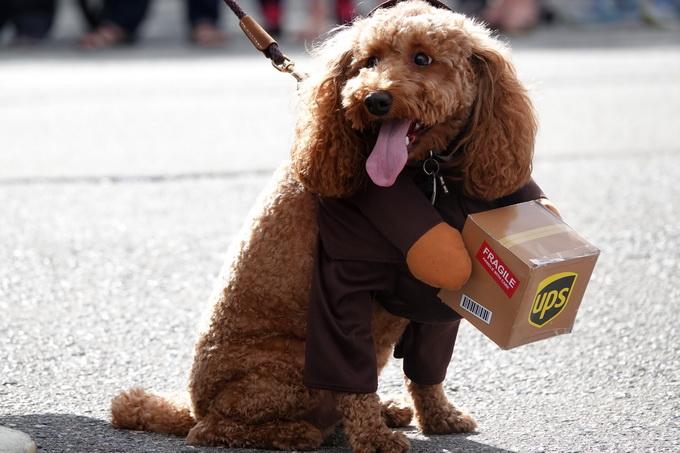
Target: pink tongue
column 389, row 154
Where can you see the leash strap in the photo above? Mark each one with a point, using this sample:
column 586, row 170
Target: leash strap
column 263, row 42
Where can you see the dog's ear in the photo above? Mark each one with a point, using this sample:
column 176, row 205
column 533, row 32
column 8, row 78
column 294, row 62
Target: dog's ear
column 327, row 155
column 499, row 139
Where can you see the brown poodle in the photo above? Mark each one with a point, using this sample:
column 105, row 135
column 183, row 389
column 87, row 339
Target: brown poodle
column 246, row 383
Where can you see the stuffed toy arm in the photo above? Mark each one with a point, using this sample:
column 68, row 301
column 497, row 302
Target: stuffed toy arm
column 433, row 250
column 530, row 191
column 550, row 206
column 441, row 248
column 439, row 258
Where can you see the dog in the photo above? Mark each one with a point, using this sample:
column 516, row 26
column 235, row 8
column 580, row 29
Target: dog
column 450, row 76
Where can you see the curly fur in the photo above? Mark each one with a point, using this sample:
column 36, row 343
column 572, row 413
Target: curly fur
column 246, row 381
column 396, row 416
column 364, row 427
column 137, row 409
column 435, row 414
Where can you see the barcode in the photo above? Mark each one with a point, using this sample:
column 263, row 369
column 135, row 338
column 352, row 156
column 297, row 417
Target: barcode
column 476, row 309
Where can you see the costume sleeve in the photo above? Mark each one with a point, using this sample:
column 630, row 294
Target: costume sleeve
column 339, row 346
column 427, row 349
column 401, row 212
column 530, row 191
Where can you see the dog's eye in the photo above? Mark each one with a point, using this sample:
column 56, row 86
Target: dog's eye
column 422, row 59
column 372, row 62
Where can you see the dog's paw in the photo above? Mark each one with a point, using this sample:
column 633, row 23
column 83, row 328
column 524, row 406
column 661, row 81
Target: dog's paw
column 395, row 416
column 448, row 420
column 204, row 435
column 386, row 441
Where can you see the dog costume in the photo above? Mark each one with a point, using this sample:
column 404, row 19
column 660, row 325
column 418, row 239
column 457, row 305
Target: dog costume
column 361, row 256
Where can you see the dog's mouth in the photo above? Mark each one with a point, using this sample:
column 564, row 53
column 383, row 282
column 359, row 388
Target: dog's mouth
column 390, row 153
column 415, row 131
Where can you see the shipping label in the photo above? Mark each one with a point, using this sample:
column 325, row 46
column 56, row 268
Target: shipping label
column 497, row 269
column 476, row 308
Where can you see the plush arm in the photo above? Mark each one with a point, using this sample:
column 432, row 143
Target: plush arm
column 439, row 258
column 441, row 249
column 434, row 251
column 530, row 191
column 550, row 206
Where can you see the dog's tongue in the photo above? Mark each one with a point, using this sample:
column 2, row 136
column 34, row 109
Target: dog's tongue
column 389, row 154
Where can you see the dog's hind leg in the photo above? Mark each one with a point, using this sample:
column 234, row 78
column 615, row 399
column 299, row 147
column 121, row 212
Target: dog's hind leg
column 214, row 430
column 263, row 411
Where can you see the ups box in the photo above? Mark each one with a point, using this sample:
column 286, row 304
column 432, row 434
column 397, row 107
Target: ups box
column 529, row 273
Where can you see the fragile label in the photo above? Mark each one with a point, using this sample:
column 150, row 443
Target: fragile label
column 497, row 269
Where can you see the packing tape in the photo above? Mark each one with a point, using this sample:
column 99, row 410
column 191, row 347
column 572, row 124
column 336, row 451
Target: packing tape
column 535, row 233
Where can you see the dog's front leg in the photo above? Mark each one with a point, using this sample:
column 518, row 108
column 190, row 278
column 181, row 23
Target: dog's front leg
column 435, row 413
column 365, row 427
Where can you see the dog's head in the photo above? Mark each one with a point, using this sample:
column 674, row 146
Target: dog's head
column 404, row 81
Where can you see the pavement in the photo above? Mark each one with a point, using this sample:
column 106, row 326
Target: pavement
column 125, row 174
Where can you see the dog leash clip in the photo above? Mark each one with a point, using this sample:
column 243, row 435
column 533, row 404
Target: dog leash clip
column 288, row 66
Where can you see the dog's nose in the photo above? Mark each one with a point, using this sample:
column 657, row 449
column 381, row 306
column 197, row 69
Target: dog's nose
column 378, row 102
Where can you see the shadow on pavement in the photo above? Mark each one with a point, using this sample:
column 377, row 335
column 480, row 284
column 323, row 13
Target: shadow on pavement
column 75, row 433
column 459, row 443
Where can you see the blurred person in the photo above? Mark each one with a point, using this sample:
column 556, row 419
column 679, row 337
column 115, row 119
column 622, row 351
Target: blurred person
column 616, row 10
column 544, row 11
column 661, row 13
column 512, row 16
column 4, row 14
column 344, row 13
column 471, row 7
column 92, row 11
column 116, row 22
column 31, row 19
column 203, row 16
column 272, row 12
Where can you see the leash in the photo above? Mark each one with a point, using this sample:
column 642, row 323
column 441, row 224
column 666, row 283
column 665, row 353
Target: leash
column 263, row 42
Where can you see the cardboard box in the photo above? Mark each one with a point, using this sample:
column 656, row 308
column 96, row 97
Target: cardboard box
column 529, row 273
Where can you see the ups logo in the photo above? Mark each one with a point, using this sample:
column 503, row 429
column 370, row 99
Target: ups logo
column 551, row 298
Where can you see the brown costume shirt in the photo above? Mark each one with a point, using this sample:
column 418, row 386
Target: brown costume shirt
column 360, row 257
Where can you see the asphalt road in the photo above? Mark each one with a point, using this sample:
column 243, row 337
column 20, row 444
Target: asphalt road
column 124, row 175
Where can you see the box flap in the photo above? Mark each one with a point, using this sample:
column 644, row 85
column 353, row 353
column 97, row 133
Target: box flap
column 533, row 234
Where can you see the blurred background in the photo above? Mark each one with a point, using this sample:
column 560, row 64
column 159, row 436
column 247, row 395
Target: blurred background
column 135, row 136
column 107, row 23
column 139, row 87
